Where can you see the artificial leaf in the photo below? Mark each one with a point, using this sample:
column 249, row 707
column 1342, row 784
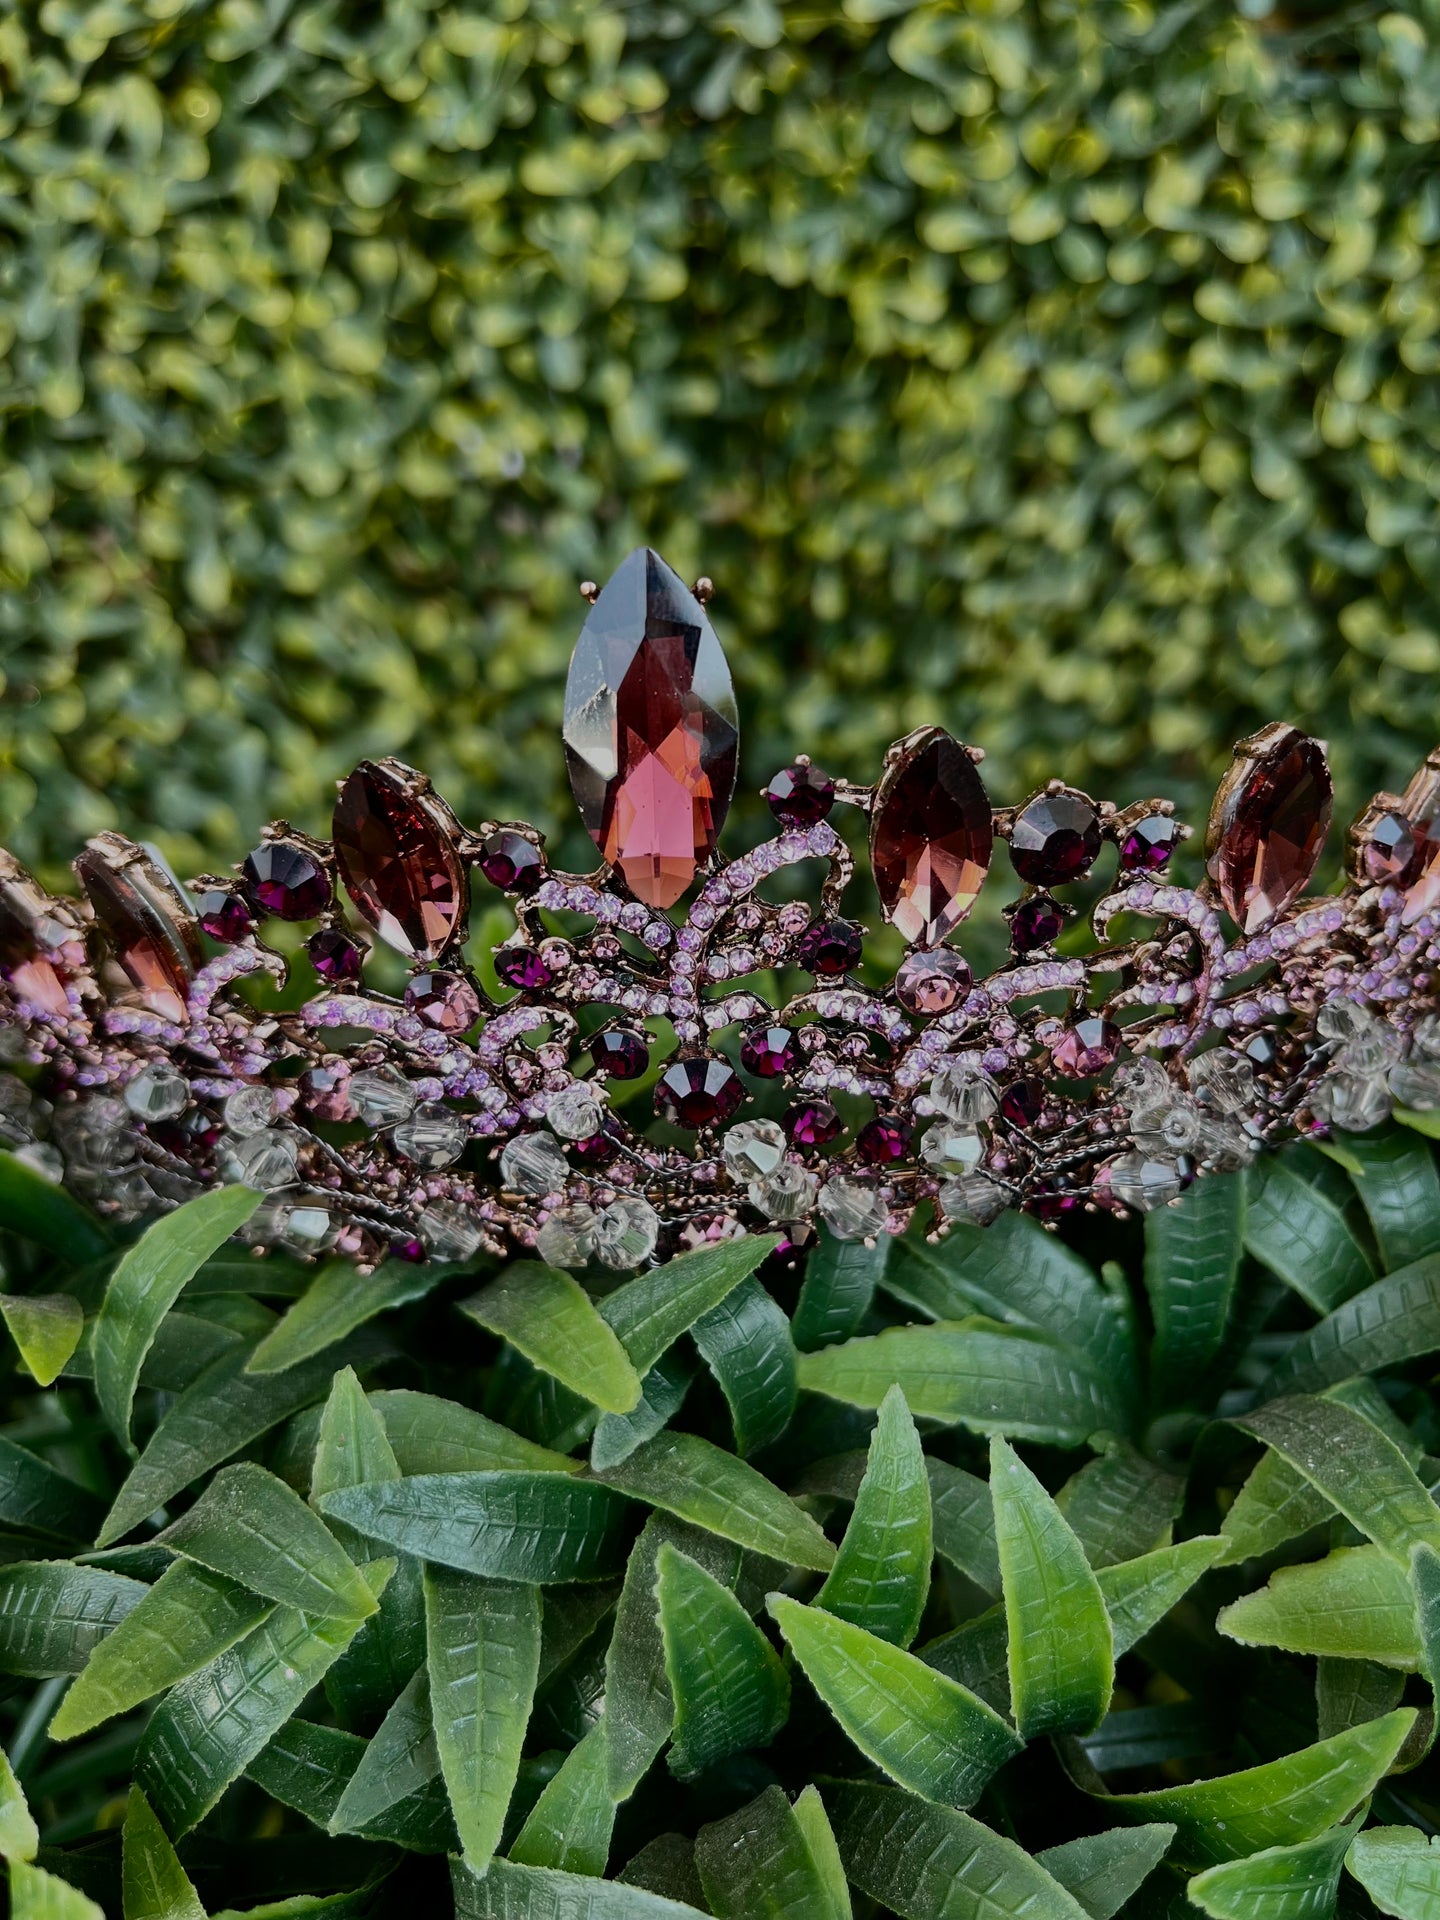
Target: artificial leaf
column 53, row 1614
column 1393, row 1320
column 662, row 1394
column 548, row 1316
column 1275, row 1504
column 760, row 1863
column 650, row 1312
column 46, row 1327
column 19, row 1835
column 881, row 1574
column 1349, row 1692
column 37, row 1895
column 1277, row 1883
column 569, row 1826
column 1355, row 1604
column 308, row 1767
column 1399, row 1188
column 1120, row 1505
column 513, row 1892
column 400, row 1760
column 745, row 1341
column 698, row 1482
column 338, row 1300
column 39, row 1210
column 34, row 1496
column 963, row 1517
column 1297, row 1227
column 430, row 1435
column 840, row 1281
column 156, row 1886
column 1399, row 1868
column 729, row 1688
column 1192, row 1260
column 1102, row 1870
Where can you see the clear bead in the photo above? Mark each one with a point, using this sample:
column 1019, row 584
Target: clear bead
column 1168, row 1129
column 448, row 1231
column 1224, row 1145
column 1140, row 1082
column 17, row 1104
column 98, row 1134
column 381, row 1096
column 786, row 1193
column 852, row 1210
column 952, row 1149
column 973, row 1198
column 158, row 1093
column 1366, row 1044
column 1415, row 1083
column 534, row 1163
column 14, row 1041
column 962, row 1090
column 1142, row 1183
column 304, row 1226
column 434, row 1135
column 1224, row 1081
column 567, row 1238
column 249, row 1110
column 125, row 1196
column 753, row 1147
column 577, row 1112
column 42, row 1159
column 265, row 1160
column 1354, row 1102
column 626, row 1232
column 1425, row 1041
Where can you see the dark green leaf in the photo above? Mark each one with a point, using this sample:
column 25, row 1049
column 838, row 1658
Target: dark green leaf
column 881, row 1575
column 650, row 1312
column 761, row 1864
column 34, row 1496
column 53, row 1614
column 1399, row 1188
column 156, row 1886
column 687, row 1476
column 1349, row 1692
column 1278, row 1883
column 399, row 1761
column 38, row 1210
column 308, row 1767
column 569, row 1826
column 1192, row 1258
column 1396, row 1319
column 745, row 1342
column 663, row 1392
column 430, row 1435
column 512, row 1892
column 1120, row 1506
column 840, row 1281
column 549, row 1318
column 338, row 1300
column 1102, row 1870
column 729, row 1688
column 1296, row 1226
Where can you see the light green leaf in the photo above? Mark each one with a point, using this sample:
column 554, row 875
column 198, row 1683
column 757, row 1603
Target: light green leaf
column 746, row 1344
column 483, row 1641
column 338, row 1300
column 1061, row 1653
column 430, row 1435
column 809, row 1811
column 663, row 1391
column 507, row 1526
column 351, row 1447
column 53, row 1614
column 760, row 1863
column 1355, row 1604
column 925, row 1730
column 1275, row 1805
column 650, row 1312
column 1396, row 1319
column 687, row 1476
column 1295, row 1225
column 1426, row 1122
column 1120, row 1506
column 1400, row 1870
column 1192, row 1259
column 881, row 1575
column 1278, row 1883
column 730, row 1691
column 19, row 1835
column 569, row 1826
column 37, row 1895
column 840, row 1281
column 549, row 1317
column 156, row 1886
column 46, row 1327
column 1399, row 1187
column 38, row 1210
column 147, row 1283
column 1276, row 1504
column 185, row 1621
column 513, row 1892
column 1425, row 1586
column 1102, row 1870
column 973, row 1373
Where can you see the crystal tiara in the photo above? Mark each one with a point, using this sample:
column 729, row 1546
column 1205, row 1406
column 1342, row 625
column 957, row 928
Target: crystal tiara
column 1234, row 1015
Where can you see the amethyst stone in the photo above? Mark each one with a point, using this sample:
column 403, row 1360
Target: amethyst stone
column 1054, row 839
column 881, row 1141
column 223, row 914
column 1036, row 922
column 1148, row 845
column 933, row 981
column 1022, row 1102
column 769, row 1052
column 287, row 880
column 511, row 862
column 830, row 947
column 801, row 795
column 1089, row 1046
column 519, row 967
column 621, row 1053
column 698, row 1093
column 334, row 955
column 445, row 1001
column 811, row 1123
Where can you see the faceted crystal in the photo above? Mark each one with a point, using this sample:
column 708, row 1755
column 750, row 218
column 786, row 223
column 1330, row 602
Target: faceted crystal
column 621, row 1053
column 812, row 1123
column 799, row 796
column 381, row 1096
column 1355, row 1102
column 521, row 967
column 42, row 1159
column 1149, row 843
column 17, row 1109
column 1224, row 1081
column 334, row 955
column 567, row 1238
column 41, row 943
column 697, row 1092
column 851, row 1209
column 1023, row 1101
column 248, row 1110
column 287, row 880
column 224, row 914
column 1172, row 1127
column 448, row 1231
column 1383, row 847
column 1224, row 1145
column 157, row 1093
column 434, row 1135
column 786, row 1194
column 97, row 1134
column 1055, row 838
column 626, row 1232
column 882, row 1141
column 753, row 1147
column 534, row 1163
column 1415, row 1083
column 1086, row 1047
column 576, row 1112
column 1421, row 807
column 951, row 1148
column 445, row 1001
column 932, row 981
column 1142, row 1183
column 1035, row 923
column 930, row 838
column 325, row 1089
column 1365, row 1043
column 146, row 925
column 962, row 1090
column 1142, row 1082
column 830, row 947
column 395, row 848
column 1268, row 824
column 769, row 1052
column 511, row 861
column 973, row 1198
column 650, row 729
column 265, row 1160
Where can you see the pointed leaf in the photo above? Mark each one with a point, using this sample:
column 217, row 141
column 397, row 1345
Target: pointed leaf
column 34, row 1496
column 402, row 1758
column 759, row 1864
column 839, row 1286
column 1139, row 1593
column 37, row 1895
column 308, row 1767
column 1355, row 1604
column 809, row 1811
column 1399, row 1187
column 730, row 1691
column 1276, row 1504
column 1349, row 1692
column 963, row 1518
column 549, row 1317
column 881, row 1575
column 666, row 1865
column 1120, row 1506
column 430, row 1435
column 1396, row 1319
column 746, row 1344
column 156, row 1886
column 46, row 1327
column 1425, row 1586
column 1278, row 1883
column 338, row 1300
column 38, row 1210
column 1192, row 1258
column 650, row 1312
column 352, row 1446
column 663, row 1391
column 696, row 1481
column 1296, row 1226
column 1102, row 1870
column 512, row 1892
column 53, row 1614
column 569, row 1826
column 1400, row 1870
column 19, row 1836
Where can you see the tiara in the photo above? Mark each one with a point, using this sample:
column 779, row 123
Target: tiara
column 1088, row 1071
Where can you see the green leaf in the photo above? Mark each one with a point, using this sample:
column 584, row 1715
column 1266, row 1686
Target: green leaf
column 926, row 1731
column 37, row 1895
column 548, row 1316
column 1192, row 1259
column 1275, row 1504
column 1278, row 1883
column 1120, row 1506
column 156, row 1886
column 881, row 1575
column 224, row 1411
column 309, row 1767
column 252, row 1528
column 1427, row 1122
column 1355, row 1604
column 1296, row 1226
column 513, row 1892
column 46, row 1327
column 399, row 1761
column 506, row 1526
column 208, row 1729
column 663, row 1392
column 185, row 1621
column 1275, row 1805
column 338, row 1300
column 38, row 1210
column 19, row 1835
column 569, row 1826
column 1400, row 1870
column 1396, row 1319
column 1399, row 1187
column 1425, row 1586
column 746, row 1344
column 730, row 1691
column 963, row 1517
column 666, row 1865
column 1061, row 1653
column 1349, row 1692
column 35, row 1497
column 760, row 1863
column 687, row 1476
column 932, row 1863
column 430, row 1435
column 351, row 1446
column 809, row 1811
column 840, row 1281
column 650, row 1312
column 1102, row 1870
column 483, row 1641
column 147, row 1283
column 53, row 1614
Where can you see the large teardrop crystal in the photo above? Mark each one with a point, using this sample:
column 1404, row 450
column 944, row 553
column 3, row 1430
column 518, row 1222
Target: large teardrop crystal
column 931, row 837
column 1420, row 804
column 650, row 729
column 147, row 928
column 41, row 945
column 396, row 848
column 1268, row 824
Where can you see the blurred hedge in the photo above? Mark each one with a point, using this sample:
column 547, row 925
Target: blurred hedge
column 1064, row 371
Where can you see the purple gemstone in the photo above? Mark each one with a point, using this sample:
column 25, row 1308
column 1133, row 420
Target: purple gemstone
column 1149, row 844
column 409, row 1249
column 769, row 1052
column 334, row 955
column 1036, row 922
column 811, row 1123
column 621, row 1053
column 800, row 795
column 1022, row 1102
column 445, row 1001
column 933, row 981
column 698, row 1093
column 1055, row 838
column 882, row 1142
column 600, row 1148
column 224, row 914
column 325, row 1090
column 519, row 967
column 830, row 947
column 1054, row 1206
column 1089, row 1046
column 511, row 862
column 287, row 880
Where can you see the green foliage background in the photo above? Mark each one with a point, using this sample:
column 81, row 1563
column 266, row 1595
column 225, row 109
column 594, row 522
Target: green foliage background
column 1062, row 372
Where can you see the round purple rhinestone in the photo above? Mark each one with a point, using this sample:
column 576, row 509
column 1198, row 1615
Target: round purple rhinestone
column 698, row 1093
column 621, row 1053
column 830, row 947
column 519, row 967
column 334, row 955
column 1054, row 1206
column 1055, row 838
column 224, row 914
column 1036, row 922
column 1023, row 1101
column 511, row 862
column 800, row 795
column 881, row 1141
column 811, row 1123
column 769, row 1052
column 932, row 981
column 445, row 1001
column 287, row 880
column 601, row 1148
column 408, row 1249
column 1149, row 844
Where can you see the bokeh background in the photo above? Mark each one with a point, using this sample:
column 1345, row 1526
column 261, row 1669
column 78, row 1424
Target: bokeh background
column 1062, row 370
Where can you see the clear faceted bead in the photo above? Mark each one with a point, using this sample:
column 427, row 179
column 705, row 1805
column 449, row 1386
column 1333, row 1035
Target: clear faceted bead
column 1415, row 1083
column 157, row 1093
column 952, row 1149
column 1140, row 1082
column 534, row 1163
column 1143, row 1183
column 567, row 1238
column 97, row 1134
column 1354, row 1102
column 448, row 1231
column 267, row 1159
column 42, row 1159
column 381, row 1096
column 1224, row 1081
column 302, row 1226
column 1366, row 1044
column 125, row 1196
column 1225, row 1146
column 786, row 1193
column 1170, row 1128
column 577, row 1112
column 974, row 1198
column 962, row 1090
column 1425, row 1041
column 753, row 1148
column 434, row 1135
column 17, row 1107
column 852, row 1210
column 249, row 1110
column 626, row 1232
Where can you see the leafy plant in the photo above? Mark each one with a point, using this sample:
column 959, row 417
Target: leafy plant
column 943, row 1581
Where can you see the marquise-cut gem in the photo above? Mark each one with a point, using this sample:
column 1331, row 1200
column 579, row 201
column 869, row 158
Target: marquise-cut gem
column 398, row 859
column 1268, row 824
column 145, row 923
column 40, row 946
column 1421, row 807
column 930, row 839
